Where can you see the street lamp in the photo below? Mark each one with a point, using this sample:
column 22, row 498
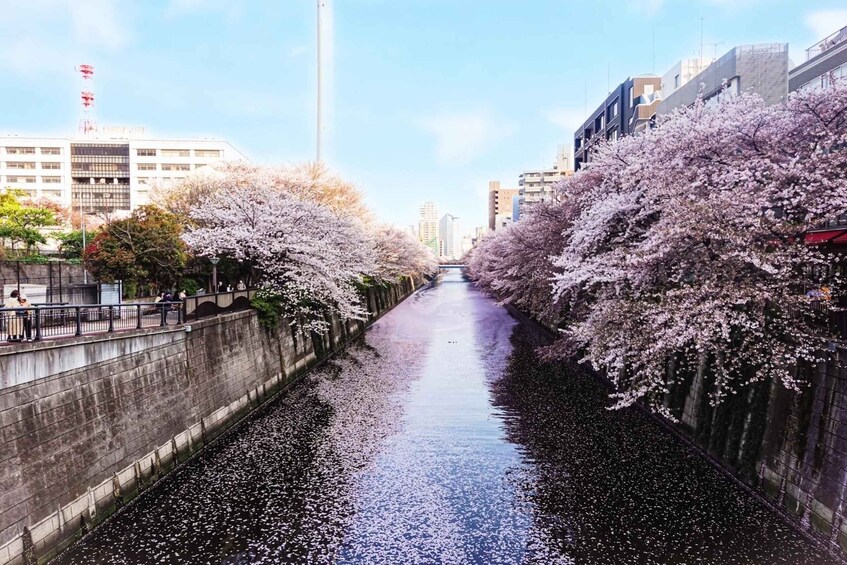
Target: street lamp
column 214, row 261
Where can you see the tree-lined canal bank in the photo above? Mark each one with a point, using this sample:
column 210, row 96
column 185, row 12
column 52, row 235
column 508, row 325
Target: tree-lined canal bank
column 446, row 440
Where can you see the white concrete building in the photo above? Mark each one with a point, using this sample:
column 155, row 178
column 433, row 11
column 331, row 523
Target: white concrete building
column 112, row 172
column 682, row 72
column 450, row 237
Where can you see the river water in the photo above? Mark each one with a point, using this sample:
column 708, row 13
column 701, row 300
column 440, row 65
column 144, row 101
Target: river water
column 444, row 439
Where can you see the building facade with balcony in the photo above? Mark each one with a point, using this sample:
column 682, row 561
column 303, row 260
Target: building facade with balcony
column 537, row 186
column 103, row 175
column 825, row 61
column 628, row 108
column 761, row 69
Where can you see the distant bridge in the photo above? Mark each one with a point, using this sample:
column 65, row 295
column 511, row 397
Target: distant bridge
column 451, row 266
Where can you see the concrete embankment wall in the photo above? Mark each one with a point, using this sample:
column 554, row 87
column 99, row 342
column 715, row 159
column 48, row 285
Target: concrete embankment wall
column 87, row 423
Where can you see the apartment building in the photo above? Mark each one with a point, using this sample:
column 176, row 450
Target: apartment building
column 428, row 227
column 103, row 175
column 450, row 237
column 762, row 69
column 499, row 205
column 537, row 185
column 630, row 106
column 825, row 61
column 681, row 74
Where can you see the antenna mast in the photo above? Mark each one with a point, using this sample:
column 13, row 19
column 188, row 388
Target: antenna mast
column 87, row 125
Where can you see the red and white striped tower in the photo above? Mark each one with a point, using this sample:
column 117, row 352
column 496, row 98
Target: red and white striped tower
column 87, row 124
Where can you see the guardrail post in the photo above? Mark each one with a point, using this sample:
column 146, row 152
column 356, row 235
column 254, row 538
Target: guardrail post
column 37, row 324
column 180, row 313
column 138, row 317
column 111, row 319
column 164, row 321
column 78, row 321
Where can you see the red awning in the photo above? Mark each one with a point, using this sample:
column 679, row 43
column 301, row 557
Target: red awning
column 837, row 236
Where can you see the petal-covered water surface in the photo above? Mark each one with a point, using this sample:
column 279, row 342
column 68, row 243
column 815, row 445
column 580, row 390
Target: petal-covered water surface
column 445, row 440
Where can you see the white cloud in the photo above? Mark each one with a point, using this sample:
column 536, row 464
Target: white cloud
column 569, row 119
column 96, row 22
column 825, row 22
column 460, row 138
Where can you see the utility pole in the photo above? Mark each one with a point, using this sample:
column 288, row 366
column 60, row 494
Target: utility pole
column 82, row 258
column 320, row 70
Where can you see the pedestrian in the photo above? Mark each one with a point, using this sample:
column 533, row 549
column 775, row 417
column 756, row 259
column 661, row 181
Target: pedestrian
column 229, row 288
column 241, row 285
column 182, row 295
column 26, row 316
column 14, row 325
column 168, row 297
column 159, row 297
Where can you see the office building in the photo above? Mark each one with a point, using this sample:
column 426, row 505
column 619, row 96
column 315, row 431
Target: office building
column 103, row 174
column 428, row 227
column 762, row 69
column 499, row 205
column 537, row 186
column 449, row 235
column 630, row 106
column 826, row 60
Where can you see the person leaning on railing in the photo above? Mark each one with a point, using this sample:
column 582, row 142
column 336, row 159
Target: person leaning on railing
column 25, row 315
column 14, row 324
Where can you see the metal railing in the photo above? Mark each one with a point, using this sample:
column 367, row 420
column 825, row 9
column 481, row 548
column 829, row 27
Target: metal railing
column 50, row 321
column 202, row 305
column 827, row 43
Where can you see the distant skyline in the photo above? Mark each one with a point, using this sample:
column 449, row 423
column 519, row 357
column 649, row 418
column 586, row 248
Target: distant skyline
column 427, row 100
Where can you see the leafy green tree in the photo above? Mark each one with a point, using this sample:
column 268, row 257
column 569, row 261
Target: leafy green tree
column 20, row 222
column 143, row 250
column 70, row 244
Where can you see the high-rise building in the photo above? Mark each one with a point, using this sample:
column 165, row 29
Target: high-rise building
column 825, row 61
column 428, row 227
column 499, row 205
column 537, row 186
column 628, row 107
column 449, row 235
column 762, row 69
column 103, row 174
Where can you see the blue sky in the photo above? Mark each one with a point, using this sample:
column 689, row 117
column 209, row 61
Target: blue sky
column 429, row 99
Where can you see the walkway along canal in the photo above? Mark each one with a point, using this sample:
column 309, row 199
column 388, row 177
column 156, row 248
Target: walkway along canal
column 445, row 440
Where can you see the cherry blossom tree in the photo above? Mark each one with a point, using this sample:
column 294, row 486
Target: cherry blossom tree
column 299, row 250
column 685, row 248
column 398, row 254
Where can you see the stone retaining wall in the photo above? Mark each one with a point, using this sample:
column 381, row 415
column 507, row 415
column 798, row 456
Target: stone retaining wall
column 87, row 423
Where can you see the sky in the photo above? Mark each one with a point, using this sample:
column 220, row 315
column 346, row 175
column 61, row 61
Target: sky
column 423, row 99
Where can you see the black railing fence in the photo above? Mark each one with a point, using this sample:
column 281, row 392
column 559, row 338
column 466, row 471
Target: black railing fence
column 47, row 321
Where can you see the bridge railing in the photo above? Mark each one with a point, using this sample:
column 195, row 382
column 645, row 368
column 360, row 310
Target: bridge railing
column 50, row 321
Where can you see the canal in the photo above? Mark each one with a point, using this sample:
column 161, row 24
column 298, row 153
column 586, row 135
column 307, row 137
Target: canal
column 444, row 439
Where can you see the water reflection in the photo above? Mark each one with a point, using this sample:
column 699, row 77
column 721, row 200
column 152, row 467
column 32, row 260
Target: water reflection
column 446, row 441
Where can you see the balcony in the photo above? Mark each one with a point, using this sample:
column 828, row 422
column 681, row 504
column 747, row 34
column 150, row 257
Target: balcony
column 827, row 43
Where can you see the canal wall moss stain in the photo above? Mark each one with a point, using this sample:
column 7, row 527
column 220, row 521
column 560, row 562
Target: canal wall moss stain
column 105, row 418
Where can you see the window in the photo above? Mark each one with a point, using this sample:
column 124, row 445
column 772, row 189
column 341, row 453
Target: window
column 51, row 180
column 143, row 180
column 614, row 109
column 648, row 89
column 145, row 152
column 20, row 150
column 631, row 98
column 176, row 153
column 49, row 165
column 199, row 165
column 207, row 152
column 147, row 166
column 19, row 165
column 11, row 179
column 28, row 180
column 51, row 150
column 176, row 167
column 676, row 82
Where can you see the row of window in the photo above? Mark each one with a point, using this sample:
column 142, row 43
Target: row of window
column 31, row 150
column 30, row 179
column 168, row 166
column 178, row 152
column 146, row 180
column 31, row 165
